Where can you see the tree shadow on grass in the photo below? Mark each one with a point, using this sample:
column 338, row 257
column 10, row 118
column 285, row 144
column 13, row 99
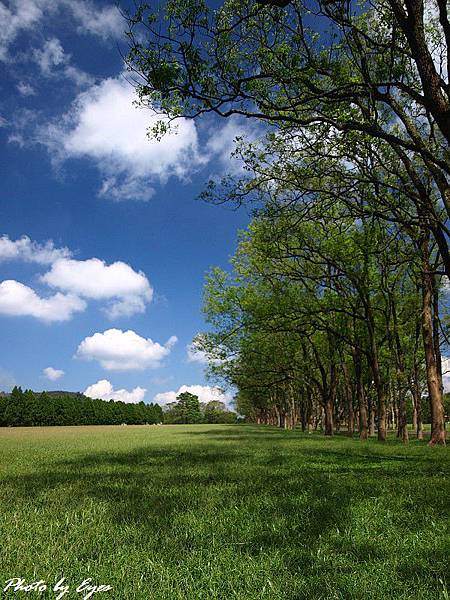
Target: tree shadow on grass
column 258, row 499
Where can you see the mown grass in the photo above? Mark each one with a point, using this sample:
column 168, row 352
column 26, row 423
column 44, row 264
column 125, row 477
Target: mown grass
column 224, row 512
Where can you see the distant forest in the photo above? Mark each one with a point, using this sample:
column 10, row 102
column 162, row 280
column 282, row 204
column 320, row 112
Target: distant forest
column 27, row 408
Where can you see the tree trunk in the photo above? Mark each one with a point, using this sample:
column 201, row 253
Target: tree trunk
column 349, row 398
column 363, row 433
column 376, row 373
column 414, row 414
column 433, row 377
column 415, row 388
column 381, row 401
column 419, row 429
column 328, row 410
column 436, row 336
column 371, row 415
column 402, row 418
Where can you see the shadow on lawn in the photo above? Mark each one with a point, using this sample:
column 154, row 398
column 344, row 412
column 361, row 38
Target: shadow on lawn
column 257, row 498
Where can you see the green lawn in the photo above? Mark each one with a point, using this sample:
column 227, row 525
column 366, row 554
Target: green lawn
column 224, row 512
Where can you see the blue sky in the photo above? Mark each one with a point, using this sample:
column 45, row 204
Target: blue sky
column 105, row 243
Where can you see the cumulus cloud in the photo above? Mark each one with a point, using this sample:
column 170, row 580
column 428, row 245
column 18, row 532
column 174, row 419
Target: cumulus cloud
column 53, row 374
column 104, row 390
column 25, row 15
column 30, row 251
column 104, row 126
column 17, row 299
column 118, row 350
column 129, row 290
column 205, row 394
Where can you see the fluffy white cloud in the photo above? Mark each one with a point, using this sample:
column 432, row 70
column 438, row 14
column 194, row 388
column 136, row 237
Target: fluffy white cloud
column 25, row 15
column 30, row 251
column 118, row 350
column 205, row 393
column 129, row 290
column 104, row 126
column 104, row 390
column 53, row 374
column 17, row 299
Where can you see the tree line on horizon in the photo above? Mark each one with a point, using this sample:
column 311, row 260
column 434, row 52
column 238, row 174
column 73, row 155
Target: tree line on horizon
column 334, row 309
column 28, row 409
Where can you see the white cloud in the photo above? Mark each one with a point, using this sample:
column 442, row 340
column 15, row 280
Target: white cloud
column 22, row 15
column 223, row 142
column 53, row 374
column 118, row 350
column 205, row 393
column 104, row 390
column 25, row 89
column 129, row 290
column 105, row 22
column 17, row 299
column 195, row 355
column 54, row 62
column 50, row 55
column 30, row 251
column 446, row 373
column 80, row 78
column 26, row 15
column 104, row 126
column 171, row 342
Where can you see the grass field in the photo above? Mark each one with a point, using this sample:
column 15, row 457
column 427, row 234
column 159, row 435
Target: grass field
column 223, row 512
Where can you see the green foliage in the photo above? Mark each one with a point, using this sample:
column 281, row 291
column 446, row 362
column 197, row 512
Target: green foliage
column 350, row 180
column 217, row 412
column 304, row 296
column 31, row 409
column 188, row 409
